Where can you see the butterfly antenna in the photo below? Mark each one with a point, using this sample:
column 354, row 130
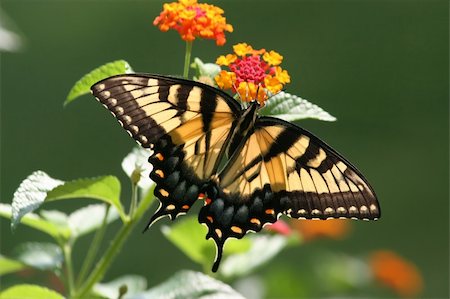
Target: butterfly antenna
column 257, row 91
column 237, row 96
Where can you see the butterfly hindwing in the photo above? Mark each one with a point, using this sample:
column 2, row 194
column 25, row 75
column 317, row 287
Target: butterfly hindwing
column 317, row 181
column 283, row 169
column 185, row 123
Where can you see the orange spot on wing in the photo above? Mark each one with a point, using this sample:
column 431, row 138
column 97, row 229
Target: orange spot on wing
column 160, row 173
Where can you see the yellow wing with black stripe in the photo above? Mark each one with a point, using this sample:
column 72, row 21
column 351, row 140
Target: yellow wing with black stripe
column 187, row 125
column 318, row 182
column 283, row 169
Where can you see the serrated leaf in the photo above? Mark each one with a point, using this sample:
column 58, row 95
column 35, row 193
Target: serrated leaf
column 42, row 256
column 291, row 108
column 29, row 291
column 36, row 222
column 8, row 265
column 190, row 284
column 40, row 187
column 89, row 218
column 263, row 249
column 189, row 236
column 134, row 284
column 83, row 86
column 31, row 194
column 104, row 188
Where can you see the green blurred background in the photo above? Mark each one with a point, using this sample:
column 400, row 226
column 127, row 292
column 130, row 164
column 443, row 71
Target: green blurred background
column 380, row 67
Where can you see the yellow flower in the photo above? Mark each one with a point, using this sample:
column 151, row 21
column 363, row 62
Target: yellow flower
column 226, row 60
column 193, row 20
column 282, row 75
column 251, row 75
column 242, row 49
column 273, row 84
column 273, row 58
column 225, row 79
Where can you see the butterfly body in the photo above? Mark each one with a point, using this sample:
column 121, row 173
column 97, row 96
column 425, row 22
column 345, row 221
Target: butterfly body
column 247, row 169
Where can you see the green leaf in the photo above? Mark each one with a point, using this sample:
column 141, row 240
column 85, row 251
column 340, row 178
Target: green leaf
column 83, row 86
column 341, row 273
column 29, row 291
column 40, row 187
column 36, row 222
column 104, row 188
column 88, row 219
column 31, row 194
column 8, row 265
column 42, row 256
column 263, row 249
column 202, row 69
column 190, row 284
column 11, row 40
column 291, row 108
column 189, row 236
column 132, row 284
column 56, row 217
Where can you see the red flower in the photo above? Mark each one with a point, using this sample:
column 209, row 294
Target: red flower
column 280, row 227
column 254, row 74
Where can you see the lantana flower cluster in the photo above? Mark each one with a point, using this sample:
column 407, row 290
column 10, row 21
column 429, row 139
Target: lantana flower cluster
column 192, row 19
column 253, row 74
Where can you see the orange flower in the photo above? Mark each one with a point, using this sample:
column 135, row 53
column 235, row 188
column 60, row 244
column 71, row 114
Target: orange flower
column 395, row 272
column 192, row 19
column 312, row 229
column 256, row 73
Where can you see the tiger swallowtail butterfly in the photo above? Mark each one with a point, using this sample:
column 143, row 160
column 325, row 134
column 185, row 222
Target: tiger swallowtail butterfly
column 248, row 169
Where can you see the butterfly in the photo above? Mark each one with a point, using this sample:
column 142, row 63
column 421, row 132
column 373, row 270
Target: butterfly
column 247, row 169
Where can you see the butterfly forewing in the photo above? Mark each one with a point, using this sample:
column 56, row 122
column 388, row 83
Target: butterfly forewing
column 187, row 124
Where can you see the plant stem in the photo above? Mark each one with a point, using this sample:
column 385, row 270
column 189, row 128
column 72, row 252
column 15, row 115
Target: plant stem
column 95, row 245
column 187, row 59
column 107, row 259
column 134, row 200
column 67, row 251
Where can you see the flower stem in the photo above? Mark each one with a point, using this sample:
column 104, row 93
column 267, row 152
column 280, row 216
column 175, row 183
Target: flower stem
column 95, row 245
column 134, row 200
column 187, row 59
column 67, row 251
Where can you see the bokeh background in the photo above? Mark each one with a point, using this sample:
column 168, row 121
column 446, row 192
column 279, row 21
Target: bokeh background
column 380, row 67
